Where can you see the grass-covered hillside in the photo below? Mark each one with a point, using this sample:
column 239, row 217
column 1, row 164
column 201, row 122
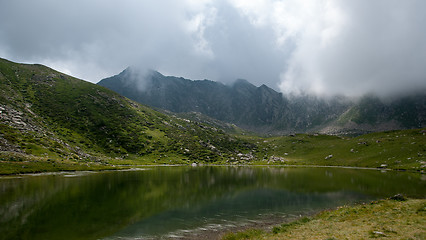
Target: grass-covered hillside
column 401, row 149
column 50, row 121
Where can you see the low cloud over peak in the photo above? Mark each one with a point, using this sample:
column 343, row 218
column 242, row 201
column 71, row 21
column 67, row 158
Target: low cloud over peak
column 325, row 47
column 379, row 47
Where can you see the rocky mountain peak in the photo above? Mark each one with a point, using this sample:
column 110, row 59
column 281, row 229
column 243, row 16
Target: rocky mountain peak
column 264, row 110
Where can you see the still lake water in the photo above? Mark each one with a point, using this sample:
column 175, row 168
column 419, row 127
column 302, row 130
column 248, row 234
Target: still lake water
column 166, row 202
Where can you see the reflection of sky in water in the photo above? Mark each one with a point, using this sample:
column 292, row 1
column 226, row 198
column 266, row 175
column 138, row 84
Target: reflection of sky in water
column 170, row 199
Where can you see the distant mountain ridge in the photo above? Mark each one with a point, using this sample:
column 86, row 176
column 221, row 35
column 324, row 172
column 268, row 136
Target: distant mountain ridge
column 263, row 110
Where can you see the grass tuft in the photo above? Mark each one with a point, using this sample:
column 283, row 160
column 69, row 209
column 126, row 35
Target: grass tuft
column 248, row 234
column 286, row 226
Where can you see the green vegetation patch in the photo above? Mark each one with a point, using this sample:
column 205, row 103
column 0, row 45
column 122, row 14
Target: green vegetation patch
column 402, row 149
column 384, row 219
column 286, row 226
column 248, row 234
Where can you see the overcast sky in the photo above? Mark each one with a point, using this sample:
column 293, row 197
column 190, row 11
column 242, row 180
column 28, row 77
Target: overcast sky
column 323, row 46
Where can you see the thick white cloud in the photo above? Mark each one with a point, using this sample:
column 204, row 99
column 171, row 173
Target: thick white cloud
column 321, row 46
column 361, row 46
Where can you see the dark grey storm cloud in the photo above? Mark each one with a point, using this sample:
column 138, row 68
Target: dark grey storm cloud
column 326, row 47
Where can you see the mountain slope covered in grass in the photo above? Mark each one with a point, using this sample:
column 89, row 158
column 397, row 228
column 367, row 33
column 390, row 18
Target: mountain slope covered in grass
column 49, row 116
column 400, row 149
column 375, row 114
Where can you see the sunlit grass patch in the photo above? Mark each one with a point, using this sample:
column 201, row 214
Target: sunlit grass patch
column 385, row 219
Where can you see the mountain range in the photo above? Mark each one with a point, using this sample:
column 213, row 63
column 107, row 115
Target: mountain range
column 50, row 121
column 266, row 111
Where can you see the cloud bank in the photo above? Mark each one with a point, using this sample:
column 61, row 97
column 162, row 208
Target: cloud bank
column 319, row 46
column 361, row 46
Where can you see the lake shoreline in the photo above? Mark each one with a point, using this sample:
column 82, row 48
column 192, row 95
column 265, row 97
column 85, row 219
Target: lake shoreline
column 138, row 168
column 395, row 217
column 266, row 225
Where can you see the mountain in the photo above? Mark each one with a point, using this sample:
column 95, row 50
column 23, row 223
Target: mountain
column 403, row 112
column 53, row 122
column 263, row 110
column 260, row 109
column 63, row 122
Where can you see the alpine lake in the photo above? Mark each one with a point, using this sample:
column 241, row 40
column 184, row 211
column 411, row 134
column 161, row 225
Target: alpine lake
column 184, row 202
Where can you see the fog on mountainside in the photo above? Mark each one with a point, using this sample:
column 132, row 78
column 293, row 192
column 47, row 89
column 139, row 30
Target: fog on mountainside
column 264, row 110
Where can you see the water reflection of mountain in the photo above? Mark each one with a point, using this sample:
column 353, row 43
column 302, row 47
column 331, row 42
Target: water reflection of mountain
column 99, row 205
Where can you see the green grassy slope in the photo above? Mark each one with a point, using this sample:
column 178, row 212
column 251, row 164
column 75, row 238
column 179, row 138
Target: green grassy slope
column 60, row 122
column 403, row 149
column 404, row 111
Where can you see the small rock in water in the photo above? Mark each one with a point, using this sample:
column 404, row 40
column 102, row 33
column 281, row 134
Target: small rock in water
column 194, row 164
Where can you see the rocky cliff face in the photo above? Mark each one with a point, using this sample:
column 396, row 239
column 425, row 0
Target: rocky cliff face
column 263, row 110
